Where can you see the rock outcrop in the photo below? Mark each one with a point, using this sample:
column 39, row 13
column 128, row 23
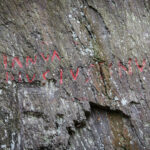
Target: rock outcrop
column 74, row 75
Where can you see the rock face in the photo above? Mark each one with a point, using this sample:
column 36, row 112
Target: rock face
column 74, row 75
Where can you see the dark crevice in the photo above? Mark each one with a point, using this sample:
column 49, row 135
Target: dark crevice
column 96, row 11
column 108, row 109
column 104, row 82
column 70, row 131
column 134, row 130
column 79, row 124
column 34, row 114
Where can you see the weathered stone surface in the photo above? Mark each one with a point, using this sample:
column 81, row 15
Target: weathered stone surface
column 99, row 110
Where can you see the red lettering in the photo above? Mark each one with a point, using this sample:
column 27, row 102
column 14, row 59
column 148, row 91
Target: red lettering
column 12, row 77
column 16, row 59
column 44, row 74
column 139, row 66
column 31, row 60
column 74, row 76
column 29, row 79
column 47, row 58
column 5, row 61
column 55, row 54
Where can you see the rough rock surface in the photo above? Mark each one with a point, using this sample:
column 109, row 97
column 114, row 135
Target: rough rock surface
column 100, row 109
